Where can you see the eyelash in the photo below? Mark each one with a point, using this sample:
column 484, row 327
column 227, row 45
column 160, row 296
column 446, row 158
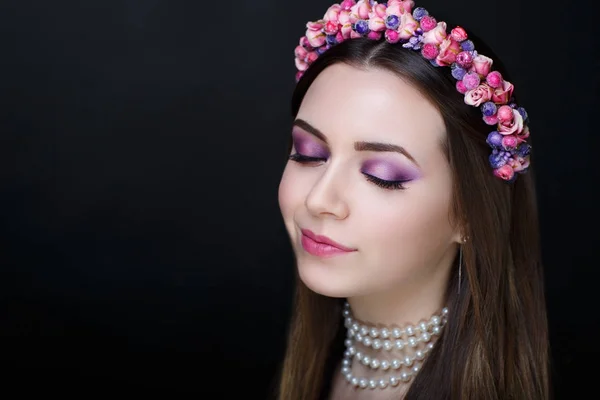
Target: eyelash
column 389, row 185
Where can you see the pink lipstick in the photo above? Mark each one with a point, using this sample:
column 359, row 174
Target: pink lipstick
column 322, row 246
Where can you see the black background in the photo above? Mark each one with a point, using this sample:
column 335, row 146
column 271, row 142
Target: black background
column 141, row 145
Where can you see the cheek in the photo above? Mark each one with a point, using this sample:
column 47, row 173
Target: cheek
column 291, row 192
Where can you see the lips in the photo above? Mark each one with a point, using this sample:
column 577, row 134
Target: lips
column 324, row 240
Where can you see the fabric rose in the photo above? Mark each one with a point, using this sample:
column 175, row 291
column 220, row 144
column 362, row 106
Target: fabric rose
column 436, row 35
column 482, row 65
column 332, row 13
column 503, row 94
column 408, row 26
column 448, row 50
column 513, row 126
column 479, row 95
column 505, row 172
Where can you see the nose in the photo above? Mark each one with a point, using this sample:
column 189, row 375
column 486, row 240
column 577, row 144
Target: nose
column 327, row 196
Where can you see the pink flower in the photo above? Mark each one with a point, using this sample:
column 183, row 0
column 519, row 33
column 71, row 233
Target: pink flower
column 430, row 51
column 374, row 35
column 399, row 7
column 379, row 11
column 428, row 23
column 436, row 35
column 377, row 24
column 301, row 65
column 491, row 120
column 509, row 142
column 304, row 43
column 524, row 134
column 505, row 172
column 513, row 126
column 464, row 59
column 479, row 95
column 331, row 28
column 392, row 36
column 346, row 30
column 460, row 86
column 339, row 38
column 315, row 38
column 481, row 65
column 458, row 34
column 471, row 80
column 360, row 10
column 522, row 163
column 408, row 26
column 344, row 17
column 347, row 4
column 332, row 13
column 355, row 35
column 299, row 75
column 502, row 94
column 315, row 26
column 300, row 52
column 311, row 57
column 448, row 51
column 505, row 114
column 494, row 79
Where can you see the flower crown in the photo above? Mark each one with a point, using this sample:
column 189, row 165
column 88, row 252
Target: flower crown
column 417, row 30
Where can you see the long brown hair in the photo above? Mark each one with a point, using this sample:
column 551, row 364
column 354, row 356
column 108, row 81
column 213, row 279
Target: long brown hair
column 495, row 345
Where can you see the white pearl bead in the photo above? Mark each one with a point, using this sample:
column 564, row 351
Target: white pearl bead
column 387, row 345
column 350, row 333
column 408, row 361
column 444, row 311
column 359, row 355
column 346, row 362
column 425, row 337
column 363, row 383
column 372, row 384
column 435, row 320
column 367, row 341
column 399, row 344
column 355, row 327
column 374, row 363
column 347, row 354
column 349, row 377
column 410, row 330
column 382, row 384
column 416, row 369
column 436, row 330
column 345, row 370
column 366, row 360
column 352, row 350
column 396, row 363
column 430, row 346
column 374, row 332
column 419, row 355
column 376, row 344
column 423, row 326
column 358, row 337
column 348, row 322
column 412, row 342
column 385, row 365
column 347, row 342
column 385, row 333
column 354, row 381
column 394, row 381
column 404, row 377
column 396, row 332
column 364, row 330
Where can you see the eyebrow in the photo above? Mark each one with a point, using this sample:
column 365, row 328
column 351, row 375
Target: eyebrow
column 358, row 146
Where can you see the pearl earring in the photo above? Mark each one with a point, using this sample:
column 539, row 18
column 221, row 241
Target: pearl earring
column 460, row 251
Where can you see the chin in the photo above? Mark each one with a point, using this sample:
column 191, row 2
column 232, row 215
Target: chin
column 325, row 280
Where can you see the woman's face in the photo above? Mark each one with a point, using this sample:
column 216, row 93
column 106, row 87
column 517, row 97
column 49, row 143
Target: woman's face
column 376, row 182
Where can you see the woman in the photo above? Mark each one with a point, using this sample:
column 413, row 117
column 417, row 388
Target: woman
column 410, row 205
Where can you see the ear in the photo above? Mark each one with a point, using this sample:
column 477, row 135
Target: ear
column 460, row 236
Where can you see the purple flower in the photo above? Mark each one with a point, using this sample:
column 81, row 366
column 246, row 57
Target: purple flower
column 419, row 13
column 392, row 22
column 496, row 160
column 494, row 139
column 523, row 150
column 523, row 113
column 489, row 108
column 467, row 45
column 361, row 27
column 457, row 72
column 413, row 43
column 331, row 40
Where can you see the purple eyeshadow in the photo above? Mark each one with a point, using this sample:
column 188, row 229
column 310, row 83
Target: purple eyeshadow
column 388, row 172
column 308, row 147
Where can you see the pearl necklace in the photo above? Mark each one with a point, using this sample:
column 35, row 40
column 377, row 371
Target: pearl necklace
column 388, row 339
